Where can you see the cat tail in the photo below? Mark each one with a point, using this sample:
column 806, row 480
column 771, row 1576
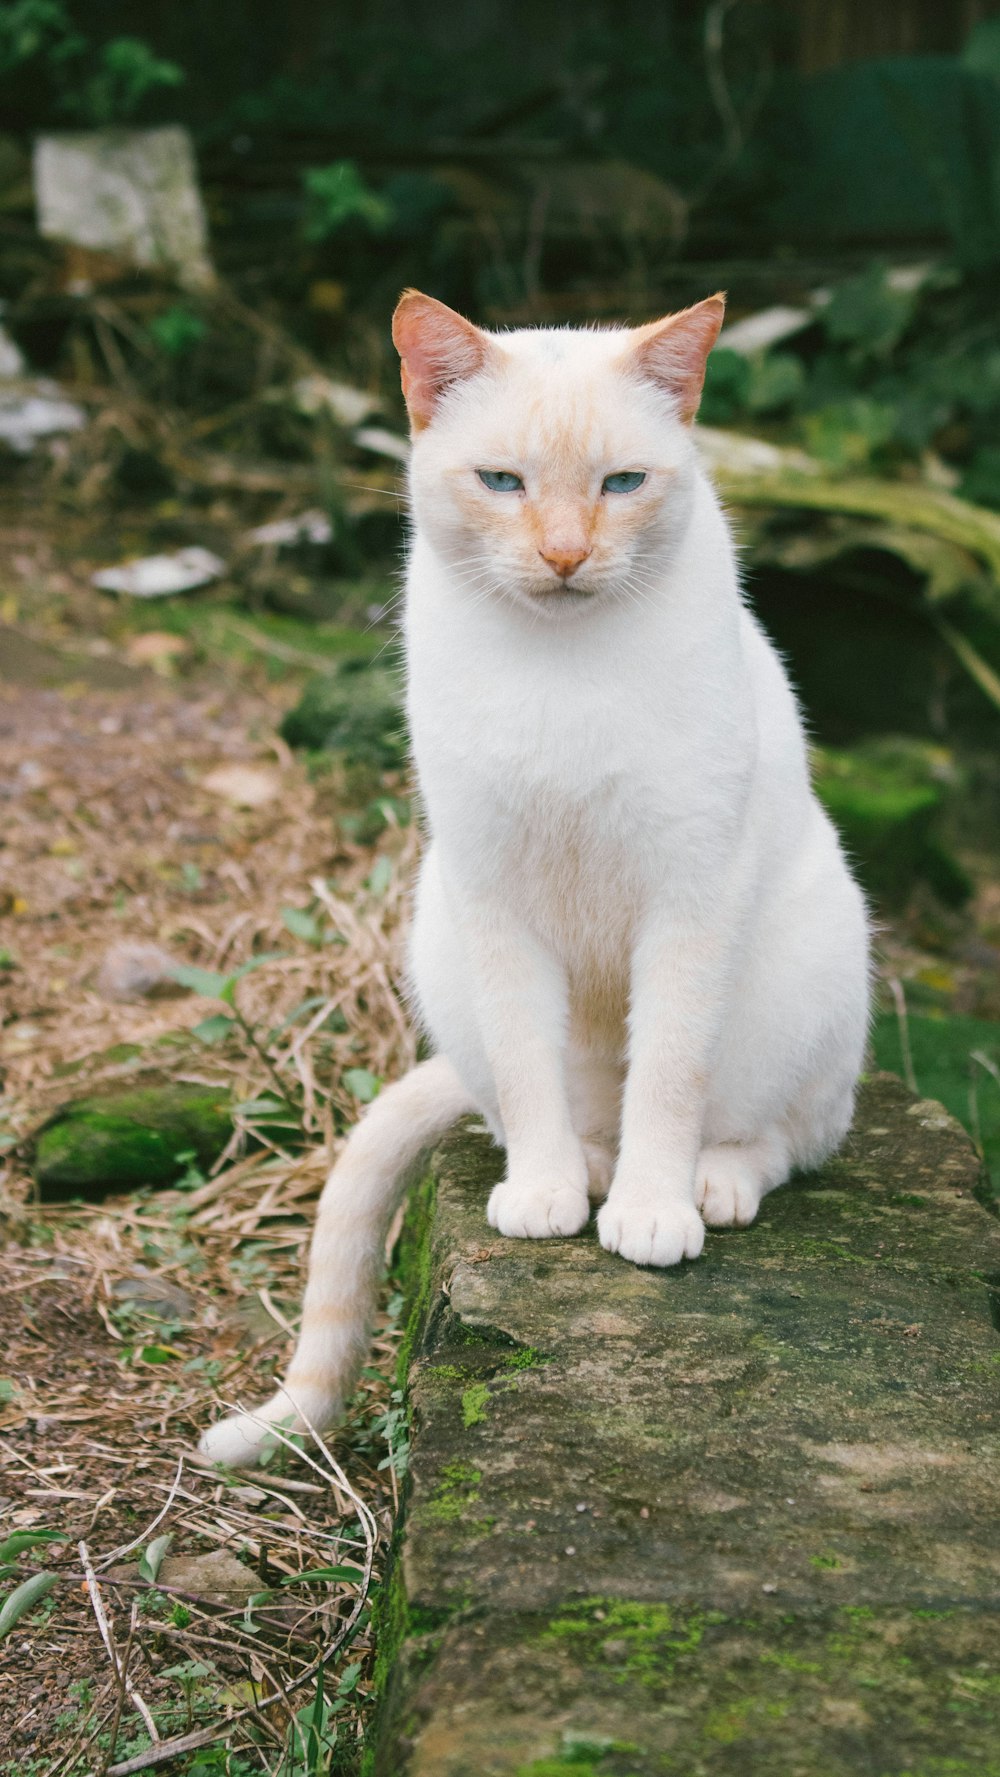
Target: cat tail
column 358, row 1202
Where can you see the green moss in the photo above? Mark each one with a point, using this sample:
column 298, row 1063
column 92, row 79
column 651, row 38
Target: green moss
column 558, row 1767
column 654, row 1638
column 354, row 710
column 457, row 1490
column 414, row 1269
column 527, row 1358
column 390, row 1623
column 445, row 1373
column 121, row 1140
column 475, row 1401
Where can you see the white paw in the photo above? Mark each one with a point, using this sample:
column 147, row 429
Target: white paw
column 600, row 1169
column 236, row 1442
column 651, row 1232
column 538, row 1206
column 727, row 1187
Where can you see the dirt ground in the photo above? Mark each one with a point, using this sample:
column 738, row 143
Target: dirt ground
column 147, row 799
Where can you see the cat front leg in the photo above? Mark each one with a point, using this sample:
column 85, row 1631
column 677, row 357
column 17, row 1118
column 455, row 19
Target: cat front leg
column 678, row 997
column 521, row 1001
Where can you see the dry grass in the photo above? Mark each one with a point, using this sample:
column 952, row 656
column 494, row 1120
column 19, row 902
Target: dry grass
column 110, row 835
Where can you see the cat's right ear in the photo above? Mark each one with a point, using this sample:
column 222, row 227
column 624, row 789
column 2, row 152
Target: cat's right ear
column 438, row 349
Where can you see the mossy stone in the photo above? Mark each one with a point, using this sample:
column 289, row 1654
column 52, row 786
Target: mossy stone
column 118, row 1141
column 355, row 711
column 736, row 1516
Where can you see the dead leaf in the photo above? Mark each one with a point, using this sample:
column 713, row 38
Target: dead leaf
column 245, row 786
column 154, row 645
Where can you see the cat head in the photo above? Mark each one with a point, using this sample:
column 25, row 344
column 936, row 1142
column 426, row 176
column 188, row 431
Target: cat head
column 553, row 467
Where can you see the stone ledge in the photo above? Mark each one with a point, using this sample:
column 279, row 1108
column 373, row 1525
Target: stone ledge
column 737, row 1517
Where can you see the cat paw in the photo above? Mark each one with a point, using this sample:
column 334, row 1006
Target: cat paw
column 600, row 1169
column 651, row 1233
column 727, row 1186
column 537, row 1207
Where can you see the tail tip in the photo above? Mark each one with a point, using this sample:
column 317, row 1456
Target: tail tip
column 236, row 1442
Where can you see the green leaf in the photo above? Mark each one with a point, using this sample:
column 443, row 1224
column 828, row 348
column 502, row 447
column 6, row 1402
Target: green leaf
column 265, row 1107
column 776, row 378
column 7, row 1390
column 380, row 877
column 302, row 924
column 361, row 1084
column 215, row 1029
column 20, row 1540
column 219, row 987
column 204, row 981
column 353, row 1575
column 24, row 1598
column 258, row 962
column 337, row 194
column 177, row 332
column 157, row 1354
column 151, row 1559
column 349, row 1678
column 310, row 1005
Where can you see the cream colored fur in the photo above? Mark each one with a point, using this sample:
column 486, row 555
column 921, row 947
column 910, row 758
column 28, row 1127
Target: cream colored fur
column 637, row 948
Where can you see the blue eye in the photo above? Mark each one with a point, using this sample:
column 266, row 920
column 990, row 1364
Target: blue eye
column 500, row 481
column 625, row 482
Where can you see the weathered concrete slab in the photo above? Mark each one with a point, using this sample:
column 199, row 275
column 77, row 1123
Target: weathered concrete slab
column 739, row 1517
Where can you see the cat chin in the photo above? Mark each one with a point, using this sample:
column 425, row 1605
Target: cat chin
column 558, row 602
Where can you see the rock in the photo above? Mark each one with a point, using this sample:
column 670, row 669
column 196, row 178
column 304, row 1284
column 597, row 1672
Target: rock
column 885, row 797
column 245, row 786
column 383, row 443
column 131, row 193
column 160, row 576
column 155, row 1295
column 35, row 409
column 789, row 1556
column 318, row 394
column 355, row 710
column 216, row 1577
column 11, row 357
column 132, row 970
column 119, row 1140
column 288, row 533
column 156, row 648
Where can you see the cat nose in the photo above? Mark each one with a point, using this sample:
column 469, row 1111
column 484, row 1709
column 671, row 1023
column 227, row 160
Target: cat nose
column 565, row 558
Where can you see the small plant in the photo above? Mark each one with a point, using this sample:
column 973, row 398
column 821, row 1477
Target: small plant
column 126, row 71
column 43, row 54
column 177, row 331
column 338, row 194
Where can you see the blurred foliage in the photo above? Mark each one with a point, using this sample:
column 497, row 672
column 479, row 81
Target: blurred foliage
column 883, row 373
column 337, row 195
column 885, row 798
column 955, row 1060
column 51, row 72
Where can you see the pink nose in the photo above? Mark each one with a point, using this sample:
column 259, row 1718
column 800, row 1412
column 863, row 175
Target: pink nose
column 565, row 558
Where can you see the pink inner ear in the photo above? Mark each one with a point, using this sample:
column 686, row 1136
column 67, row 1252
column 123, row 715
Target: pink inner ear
column 674, row 352
column 438, row 348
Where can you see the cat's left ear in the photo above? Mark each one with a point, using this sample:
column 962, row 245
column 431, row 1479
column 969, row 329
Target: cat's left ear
column 438, row 349
column 673, row 352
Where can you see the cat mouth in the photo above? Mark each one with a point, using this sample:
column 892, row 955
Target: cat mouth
column 561, row 592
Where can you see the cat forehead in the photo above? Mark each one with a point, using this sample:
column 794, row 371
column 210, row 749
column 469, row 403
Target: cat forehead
column 583, row 348
column 562, row 391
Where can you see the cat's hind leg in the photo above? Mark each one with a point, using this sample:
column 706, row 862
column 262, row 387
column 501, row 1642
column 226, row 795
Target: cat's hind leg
column 733, row 1176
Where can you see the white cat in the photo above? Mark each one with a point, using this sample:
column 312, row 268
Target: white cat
column 637, row 949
